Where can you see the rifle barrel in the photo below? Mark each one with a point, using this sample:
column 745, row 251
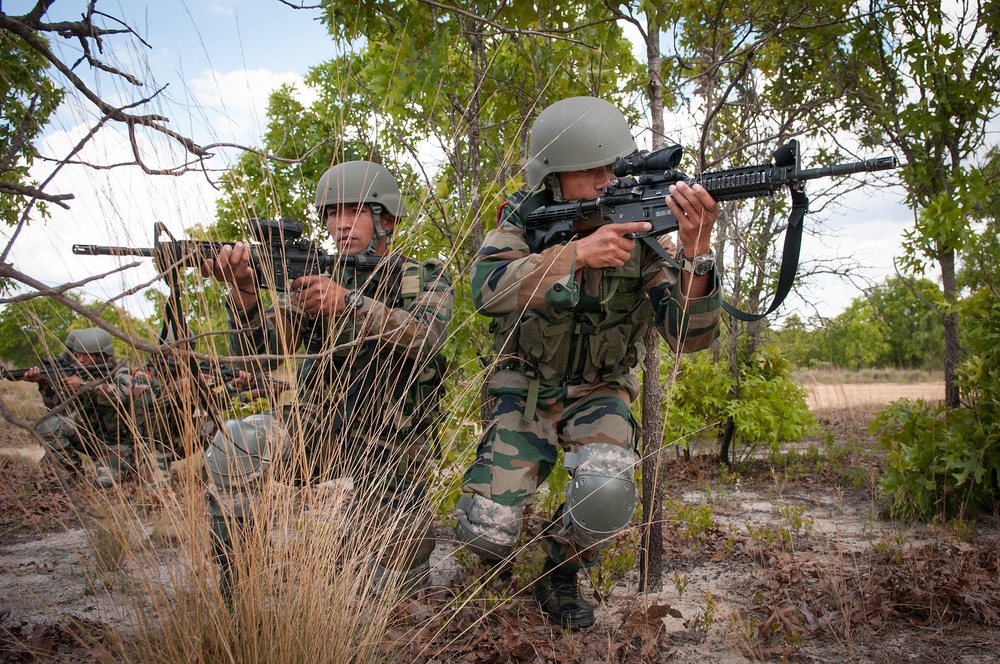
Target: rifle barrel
column 866, row 166
column 99, row 250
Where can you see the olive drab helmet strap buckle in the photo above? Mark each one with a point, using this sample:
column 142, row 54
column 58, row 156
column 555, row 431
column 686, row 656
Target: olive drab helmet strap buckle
column 380, row 232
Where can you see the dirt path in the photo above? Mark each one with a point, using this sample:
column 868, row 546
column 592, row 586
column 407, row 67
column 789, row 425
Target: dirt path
column 847, row 395
column 750, row 558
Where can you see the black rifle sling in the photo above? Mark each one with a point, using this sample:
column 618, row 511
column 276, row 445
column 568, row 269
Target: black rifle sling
column 789, row 258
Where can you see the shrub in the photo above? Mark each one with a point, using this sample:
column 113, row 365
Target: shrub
column 940, row 461
column 946, row 462
column 770, row 409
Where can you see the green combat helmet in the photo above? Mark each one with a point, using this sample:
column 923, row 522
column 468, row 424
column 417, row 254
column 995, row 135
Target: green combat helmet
column 576, row 134
column 92, row 340
column 241, row 451
column 362, row 183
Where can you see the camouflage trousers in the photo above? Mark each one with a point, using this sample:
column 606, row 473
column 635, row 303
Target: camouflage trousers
column 68, row 442
column 516, row 456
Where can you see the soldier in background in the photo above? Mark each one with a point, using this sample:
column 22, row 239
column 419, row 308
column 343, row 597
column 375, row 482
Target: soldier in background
column 100, row 422
column 182, row 418
column 365, row 407
column 568, row 323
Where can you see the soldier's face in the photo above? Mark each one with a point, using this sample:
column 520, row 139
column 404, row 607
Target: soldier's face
column 352, row 227
column 88, row 360
column 590, row 183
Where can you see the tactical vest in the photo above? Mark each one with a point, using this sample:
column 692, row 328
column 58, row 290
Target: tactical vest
column 371, row 381
column 598, row 340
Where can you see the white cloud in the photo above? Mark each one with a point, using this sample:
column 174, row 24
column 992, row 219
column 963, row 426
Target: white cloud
column 234, row 103
column 119, row 206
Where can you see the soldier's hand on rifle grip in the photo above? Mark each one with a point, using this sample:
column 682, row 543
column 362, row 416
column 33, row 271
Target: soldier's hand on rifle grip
column 232, row 265
column 696, row 212
column 608, row 246
column 320, row 296
column 33, row 375
column 72, row 383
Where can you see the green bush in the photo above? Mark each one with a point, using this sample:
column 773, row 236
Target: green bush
column 770, row 409
column 945, row 463
column 941, row 462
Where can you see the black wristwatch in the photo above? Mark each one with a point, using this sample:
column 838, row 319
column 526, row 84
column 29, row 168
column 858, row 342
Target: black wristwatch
column 354, row 300
column 699, row 265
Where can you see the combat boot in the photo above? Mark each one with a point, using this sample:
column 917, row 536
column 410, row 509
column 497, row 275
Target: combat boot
column 558, row 591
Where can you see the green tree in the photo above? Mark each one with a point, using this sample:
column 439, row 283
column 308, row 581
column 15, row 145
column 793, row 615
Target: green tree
column 800, row 344
column 920, row 77
column 856, row 338
column 909, row 314
column 751, row 77
column 29, row 98
column 34, row 329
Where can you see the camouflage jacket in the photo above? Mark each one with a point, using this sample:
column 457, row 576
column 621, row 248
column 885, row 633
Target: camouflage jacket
column 109, row 412
column 376, row 361
column 560, row 325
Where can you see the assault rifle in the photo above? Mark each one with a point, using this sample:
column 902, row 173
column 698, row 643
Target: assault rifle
column 642, row 183
column 60, row 368
column 222, row 371
column 278, row 253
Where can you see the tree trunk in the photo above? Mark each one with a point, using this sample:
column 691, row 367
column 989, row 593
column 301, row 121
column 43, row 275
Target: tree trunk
column 952, row 350
column 651, row 561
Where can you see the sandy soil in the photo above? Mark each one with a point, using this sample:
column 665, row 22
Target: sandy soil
column 722, row 588
column 845, row 395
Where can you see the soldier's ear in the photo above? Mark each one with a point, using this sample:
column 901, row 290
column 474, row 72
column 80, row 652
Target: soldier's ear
column 388, row 222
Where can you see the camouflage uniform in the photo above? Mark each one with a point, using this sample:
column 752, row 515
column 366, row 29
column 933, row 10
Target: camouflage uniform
column 360, row 409
column 99, row 423
column 567, row 337
column 567, row 341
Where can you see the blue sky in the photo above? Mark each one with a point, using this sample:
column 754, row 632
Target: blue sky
column 219, row 60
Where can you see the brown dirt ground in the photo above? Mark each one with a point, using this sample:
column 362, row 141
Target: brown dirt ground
column 784, row 561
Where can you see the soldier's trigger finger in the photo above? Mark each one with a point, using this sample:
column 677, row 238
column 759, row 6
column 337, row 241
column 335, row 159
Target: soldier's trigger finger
column 632, row 227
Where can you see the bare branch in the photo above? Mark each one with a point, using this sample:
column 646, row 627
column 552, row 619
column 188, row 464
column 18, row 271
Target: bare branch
column 33, row 192
column 287, row 3
column 49, row 291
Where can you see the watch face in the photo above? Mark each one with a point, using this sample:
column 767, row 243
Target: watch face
column 703, row 264
column 353, row 300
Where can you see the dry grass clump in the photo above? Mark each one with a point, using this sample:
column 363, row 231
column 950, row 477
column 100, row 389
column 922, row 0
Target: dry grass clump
column 304, row 585
column 24, row 403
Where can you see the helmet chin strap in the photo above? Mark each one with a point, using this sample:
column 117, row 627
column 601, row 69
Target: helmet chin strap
column 379, row 231
column 551, row 181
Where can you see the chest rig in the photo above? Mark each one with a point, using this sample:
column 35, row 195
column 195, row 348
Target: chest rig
column 377, row 387
column 598, row 340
